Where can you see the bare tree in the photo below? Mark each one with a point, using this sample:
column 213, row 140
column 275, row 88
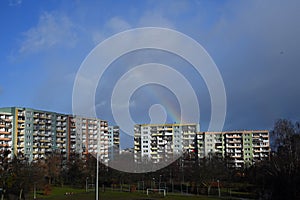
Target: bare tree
column 283, row 171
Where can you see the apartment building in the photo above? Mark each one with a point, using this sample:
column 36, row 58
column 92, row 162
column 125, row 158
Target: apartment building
column 240, row 148
column 6, row 139
column 213, row 144
column 113, row 141
column 35, row 134
column 163, row 142
column 88, row 136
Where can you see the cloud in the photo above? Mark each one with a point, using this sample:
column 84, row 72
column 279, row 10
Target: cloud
column 155, row 18
column 101, row 104
column 245, row 39
column 52, row 30
column 117, row 24
column 258, row 55
column 112, row 26
column 97, row 37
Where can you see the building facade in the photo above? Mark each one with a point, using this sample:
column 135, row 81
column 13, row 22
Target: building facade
column 86, row 135
column 35, row 134
column 113, row 141
column 6, row 137
column 163, row 142
column 240, row 148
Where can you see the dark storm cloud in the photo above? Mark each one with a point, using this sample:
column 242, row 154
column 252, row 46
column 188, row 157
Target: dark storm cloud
column 255, row 45
column 261, row 67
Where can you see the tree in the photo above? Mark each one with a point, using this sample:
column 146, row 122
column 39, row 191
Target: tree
column 282, row 173
column 74, row 171
column 21, row 175
column 53, row 166
column 4, row 170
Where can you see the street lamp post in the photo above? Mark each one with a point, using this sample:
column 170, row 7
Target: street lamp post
column 159, row 181
column 86, row 184
column 97, row 178
column 34, row 191
column 153, row 187
column 159, row 184
column 97, row 170
column 219, row 188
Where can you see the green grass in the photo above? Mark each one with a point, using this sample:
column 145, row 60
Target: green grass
column 58, row 193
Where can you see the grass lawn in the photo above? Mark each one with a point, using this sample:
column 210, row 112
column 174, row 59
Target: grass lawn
column 58, row 193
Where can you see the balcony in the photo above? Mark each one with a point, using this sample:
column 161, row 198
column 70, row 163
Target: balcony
column 233, row 136
column 235, row 141
column 62, row 136
column 42, row 116
column 73, row 137
column 21, row 121
column 60, row 130
column 41, row 134
column 5, row 139
column 5, row 132
column 234, row 146
column 137, row 148
column 60, row 118
column 7, row 119
column 44, row 146
column 45, row 141
column 4, row 145
column 162, row 142
column 22, row 126
column 236, row 156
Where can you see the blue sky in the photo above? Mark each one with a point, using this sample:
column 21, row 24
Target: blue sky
column 255, row 45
